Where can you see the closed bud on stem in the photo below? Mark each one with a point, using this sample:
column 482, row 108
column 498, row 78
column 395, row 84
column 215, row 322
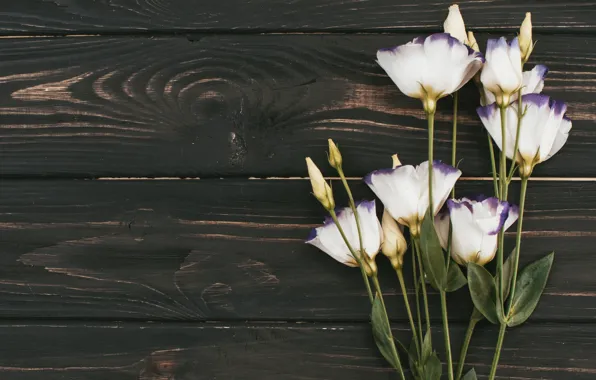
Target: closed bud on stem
column 335, row 159
column 472, row 43
column 526, row 45
column 320, row 188
column 454, row 24
column 396, row 161
column 394, row 244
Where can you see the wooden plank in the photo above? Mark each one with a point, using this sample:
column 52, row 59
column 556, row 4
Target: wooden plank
column 233, row 250
column 76, row 16
column 245, row 106
column 275, row 351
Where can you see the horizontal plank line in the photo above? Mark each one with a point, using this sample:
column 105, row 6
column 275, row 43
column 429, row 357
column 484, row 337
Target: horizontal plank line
column 559, row 179
column 196, row 34
column 239, row 322
column 165, row 178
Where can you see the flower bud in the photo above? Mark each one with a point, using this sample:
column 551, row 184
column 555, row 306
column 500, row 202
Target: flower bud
column 454, row 24
column 394, row 244
column 472, row 43
column 396, row 161
column 321, row 190
column 526, row 45
column 335, row 159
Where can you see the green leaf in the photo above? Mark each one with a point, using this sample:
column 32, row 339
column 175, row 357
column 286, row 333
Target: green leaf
column 455, row 277
column 432, row 254
column 530, row 286
column 432, row 368
column 414, row 360
column 470, row 375
column 382, row 333
column 483, row 291
column 427, row 348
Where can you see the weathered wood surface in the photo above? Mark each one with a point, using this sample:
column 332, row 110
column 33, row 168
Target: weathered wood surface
column 246, row 106
column 234, row 250
column 77, row 16
column 123, row 351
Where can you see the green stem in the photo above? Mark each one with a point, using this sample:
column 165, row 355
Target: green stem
column 502, row 196
column 352, row 205
column 522, row 204
column 402, row 284
column 495, row 364
column 423, row 286
column 503, row 163
column 354, row 254
column 416, row 284
column 493, row 164
column 446, row 334
column 520, row 115
column 464, row 347
column 393, row 349
column 454, row 137
column 431, row 132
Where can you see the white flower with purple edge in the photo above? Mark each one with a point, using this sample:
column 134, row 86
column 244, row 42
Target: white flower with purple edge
column 404, row 190
column 430, row 68
column 544, row 129
column 328, row 238
column 475, row 224
column 502, row 71
column 532, row 83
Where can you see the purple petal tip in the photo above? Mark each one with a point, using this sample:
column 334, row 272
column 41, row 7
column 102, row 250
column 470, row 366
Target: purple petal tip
column 487, row 111
column 444, row 168
column 538, row 100
column 312, row 235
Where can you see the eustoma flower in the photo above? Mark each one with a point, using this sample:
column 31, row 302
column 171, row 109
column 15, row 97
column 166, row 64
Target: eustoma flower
column 404, row 190
column 328, row 238
column 430, row 68
column 532, row 83
column 502, row 72
column 475, row 226
column 544, row 129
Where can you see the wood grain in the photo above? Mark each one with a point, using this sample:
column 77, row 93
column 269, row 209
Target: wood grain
column 234, row 250
column 268, row 351
column 77, row 16
column 245, row 106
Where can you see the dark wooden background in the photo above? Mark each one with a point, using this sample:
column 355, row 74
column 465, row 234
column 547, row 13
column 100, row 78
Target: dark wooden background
column 153, row 204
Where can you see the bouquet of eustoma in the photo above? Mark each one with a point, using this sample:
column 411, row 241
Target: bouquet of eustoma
column 451, row 239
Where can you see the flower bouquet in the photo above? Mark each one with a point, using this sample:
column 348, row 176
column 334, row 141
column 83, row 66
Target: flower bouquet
column 451, row 239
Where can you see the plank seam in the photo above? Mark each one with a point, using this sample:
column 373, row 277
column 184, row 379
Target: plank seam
column 197, row 34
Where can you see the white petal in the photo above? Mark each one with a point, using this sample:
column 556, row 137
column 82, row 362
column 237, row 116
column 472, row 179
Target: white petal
column 444, row 178
column 536, row 118
column 328, row 239
column 490, row 215
column 399, row 190
column 561, row 137
column 442, row 228
column 466, row 236
column 500, row 74
column 372, row 233
column 488, row 249
column 491, row 119
column 450, row 64
column 511, row 217
column 533, row 80
column 405, row 66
